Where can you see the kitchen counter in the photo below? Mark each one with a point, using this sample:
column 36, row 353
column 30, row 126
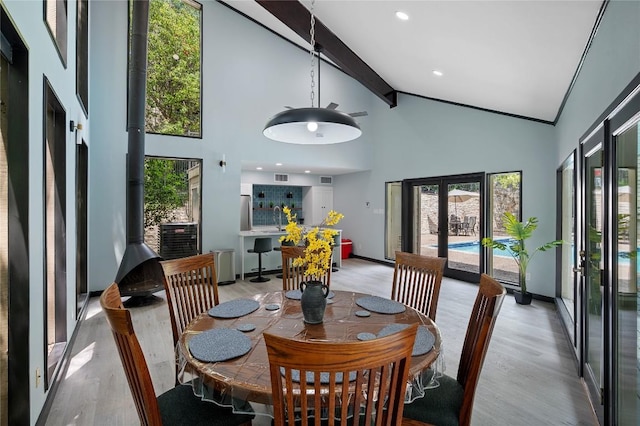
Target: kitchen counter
column 249, row 261
column 262, row 231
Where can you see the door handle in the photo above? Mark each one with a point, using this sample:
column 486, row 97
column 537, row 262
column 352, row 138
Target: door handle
column 580, row 268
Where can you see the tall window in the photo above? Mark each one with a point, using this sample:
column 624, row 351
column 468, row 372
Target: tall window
column 566, row 182
column 174, row 68
column 82, row 54
column 55, row 231
column 55, row 15
column 626, row 243
column 504, row 196
column 172, row 200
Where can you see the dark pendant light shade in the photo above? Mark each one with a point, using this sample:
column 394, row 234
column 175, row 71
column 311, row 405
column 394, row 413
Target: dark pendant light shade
column 293, row 126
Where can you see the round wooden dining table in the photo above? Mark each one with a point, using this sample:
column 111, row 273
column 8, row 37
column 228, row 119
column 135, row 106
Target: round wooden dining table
column 244, row 379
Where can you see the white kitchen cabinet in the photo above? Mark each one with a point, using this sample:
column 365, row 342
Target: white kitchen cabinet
column 317, row 201
column 246, row 189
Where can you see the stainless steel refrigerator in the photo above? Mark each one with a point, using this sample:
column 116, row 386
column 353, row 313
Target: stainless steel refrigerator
column 245, row 213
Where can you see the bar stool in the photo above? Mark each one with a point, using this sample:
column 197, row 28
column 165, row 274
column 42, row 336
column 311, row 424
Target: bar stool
column 260, row 245
column 284, row 243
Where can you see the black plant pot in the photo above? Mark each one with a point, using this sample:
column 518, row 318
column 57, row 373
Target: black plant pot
column 522, row 298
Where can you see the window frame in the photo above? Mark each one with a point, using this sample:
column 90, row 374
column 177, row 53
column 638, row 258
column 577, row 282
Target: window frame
column 199, row 7
column 488, row 258
column 59, row 35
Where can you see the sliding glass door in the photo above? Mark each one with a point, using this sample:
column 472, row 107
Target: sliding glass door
column 567, row 294
column 625, row 128
column 592, row 264
column 607, row 305
column 443, row 217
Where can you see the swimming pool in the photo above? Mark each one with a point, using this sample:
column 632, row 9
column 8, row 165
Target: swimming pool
column 474, row 248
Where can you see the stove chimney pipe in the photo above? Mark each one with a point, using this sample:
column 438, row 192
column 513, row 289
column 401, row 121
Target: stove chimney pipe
column 137, row 252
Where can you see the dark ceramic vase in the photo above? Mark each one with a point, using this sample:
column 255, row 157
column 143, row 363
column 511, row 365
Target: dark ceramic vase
column 313, row 301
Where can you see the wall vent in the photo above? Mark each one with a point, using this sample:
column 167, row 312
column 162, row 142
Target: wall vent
column 326, row 180
column 281, row 177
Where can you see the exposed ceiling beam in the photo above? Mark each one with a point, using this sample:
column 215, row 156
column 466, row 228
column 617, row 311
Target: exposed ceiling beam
column 295, row 16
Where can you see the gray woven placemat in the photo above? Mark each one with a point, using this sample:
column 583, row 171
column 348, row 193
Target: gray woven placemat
column 380, row 305
column 219, row 344
column 424, row 338
column 297, row 294
column 324, row 377
column 234, row 308
column 366, row 336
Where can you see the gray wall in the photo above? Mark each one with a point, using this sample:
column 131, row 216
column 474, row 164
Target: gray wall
column 613, row 61
column 422, row 138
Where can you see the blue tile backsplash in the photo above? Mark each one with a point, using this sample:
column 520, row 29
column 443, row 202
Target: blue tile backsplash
column 266, row 197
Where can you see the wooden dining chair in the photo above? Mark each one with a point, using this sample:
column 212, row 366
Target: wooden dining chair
column 191, row 287
column 451, row 403
column 292, row 275
column 417, row 280
column 363, row 381
column 177, row 406
column 414, row 422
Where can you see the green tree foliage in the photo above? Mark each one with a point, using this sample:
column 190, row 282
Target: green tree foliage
column 164, row 190
column 173, row 69
column 508, row 180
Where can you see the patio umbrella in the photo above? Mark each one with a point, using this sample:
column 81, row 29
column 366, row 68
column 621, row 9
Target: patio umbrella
column 460, row 196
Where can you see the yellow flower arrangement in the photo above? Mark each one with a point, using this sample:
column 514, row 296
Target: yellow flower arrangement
column 317, row 255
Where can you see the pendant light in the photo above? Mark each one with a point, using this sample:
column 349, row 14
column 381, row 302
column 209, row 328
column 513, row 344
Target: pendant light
column 312, row 125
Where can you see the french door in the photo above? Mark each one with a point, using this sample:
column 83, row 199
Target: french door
column 443, row 217
column 591, row 263
column 623, row 261
column 607, row 240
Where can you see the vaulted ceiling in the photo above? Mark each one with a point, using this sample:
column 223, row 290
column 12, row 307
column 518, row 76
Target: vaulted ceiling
column 517, row 57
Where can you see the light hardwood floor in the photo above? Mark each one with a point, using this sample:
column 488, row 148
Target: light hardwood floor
column 529, row 376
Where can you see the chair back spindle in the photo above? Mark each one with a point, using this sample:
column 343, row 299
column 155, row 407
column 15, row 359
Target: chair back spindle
column 192, row 288
column 363, row 382
column 417, row 280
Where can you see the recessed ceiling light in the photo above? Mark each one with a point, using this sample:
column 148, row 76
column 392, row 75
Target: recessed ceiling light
column 437, row 73
column 278, row 164
column 307, row 171
column 258, row 168
column 402, row 16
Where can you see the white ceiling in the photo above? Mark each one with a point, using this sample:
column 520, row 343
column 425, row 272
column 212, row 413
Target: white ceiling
column 517, row 57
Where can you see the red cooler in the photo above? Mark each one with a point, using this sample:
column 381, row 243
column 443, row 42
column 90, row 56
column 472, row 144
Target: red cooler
column 346, row 247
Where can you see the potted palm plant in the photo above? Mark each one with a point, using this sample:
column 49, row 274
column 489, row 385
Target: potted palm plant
column 519, row 233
